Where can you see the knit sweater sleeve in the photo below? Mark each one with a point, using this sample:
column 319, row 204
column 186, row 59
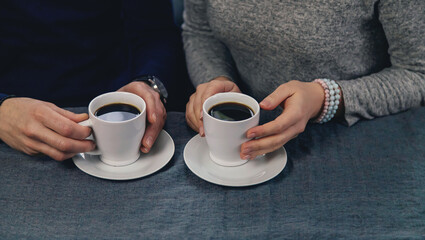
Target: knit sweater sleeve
column 401, row 86
column 206, row 56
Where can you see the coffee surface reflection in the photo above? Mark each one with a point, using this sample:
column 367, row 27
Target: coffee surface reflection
column 117, row 112
column 231, row 111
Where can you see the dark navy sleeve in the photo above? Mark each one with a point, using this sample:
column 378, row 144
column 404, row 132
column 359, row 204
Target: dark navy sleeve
column 153, row 38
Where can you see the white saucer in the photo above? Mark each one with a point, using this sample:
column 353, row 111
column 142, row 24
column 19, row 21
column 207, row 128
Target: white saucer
column 253, row 172
column 148, row 163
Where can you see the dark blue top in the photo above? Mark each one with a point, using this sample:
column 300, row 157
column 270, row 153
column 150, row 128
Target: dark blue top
column 67, row 52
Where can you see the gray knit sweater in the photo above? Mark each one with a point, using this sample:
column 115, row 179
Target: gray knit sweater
column 374, row 49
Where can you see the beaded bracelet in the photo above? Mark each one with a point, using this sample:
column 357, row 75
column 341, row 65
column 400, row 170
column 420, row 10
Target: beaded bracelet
column 332, row 97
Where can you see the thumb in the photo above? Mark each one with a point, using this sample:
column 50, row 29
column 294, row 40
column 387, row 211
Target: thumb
column 79, row 117
column 276, row 98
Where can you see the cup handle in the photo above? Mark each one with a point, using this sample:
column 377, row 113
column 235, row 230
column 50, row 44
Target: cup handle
column 88, row 123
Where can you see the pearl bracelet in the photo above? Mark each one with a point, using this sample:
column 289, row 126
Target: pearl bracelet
column 332, row 97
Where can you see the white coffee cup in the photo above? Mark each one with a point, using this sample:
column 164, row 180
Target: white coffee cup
column 224, row 138
column 118, row 139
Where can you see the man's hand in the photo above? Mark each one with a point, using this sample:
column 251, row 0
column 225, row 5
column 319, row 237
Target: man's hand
column 155, row 110
column 34, row 127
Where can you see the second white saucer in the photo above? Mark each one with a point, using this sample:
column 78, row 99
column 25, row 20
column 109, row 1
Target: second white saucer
column 197, row 158
column 148, row 163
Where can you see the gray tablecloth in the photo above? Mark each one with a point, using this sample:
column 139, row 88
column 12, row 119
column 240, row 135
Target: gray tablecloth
column 363, row 182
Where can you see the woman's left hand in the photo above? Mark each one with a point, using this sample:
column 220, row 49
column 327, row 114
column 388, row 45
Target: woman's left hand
column 301, row 101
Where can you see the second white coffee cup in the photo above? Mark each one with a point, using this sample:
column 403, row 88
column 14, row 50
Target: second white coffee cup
column 225, row 137
column 119, row 128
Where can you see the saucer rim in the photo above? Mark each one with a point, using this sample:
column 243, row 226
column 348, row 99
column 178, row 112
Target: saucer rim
column 98, row 174
column 230, row 183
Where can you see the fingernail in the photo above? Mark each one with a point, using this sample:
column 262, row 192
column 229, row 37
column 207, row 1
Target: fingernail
column 246, row 157
column 201, row 131
column 154, row 117
column 265, row 103
column 251, row 135
column 145, row 150
column 149, row 142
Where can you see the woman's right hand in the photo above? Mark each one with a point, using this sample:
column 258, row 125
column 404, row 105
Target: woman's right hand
column 204, row 91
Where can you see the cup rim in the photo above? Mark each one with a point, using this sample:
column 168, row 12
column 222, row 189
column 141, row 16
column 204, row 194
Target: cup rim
column 205, row 111
column 115, row 93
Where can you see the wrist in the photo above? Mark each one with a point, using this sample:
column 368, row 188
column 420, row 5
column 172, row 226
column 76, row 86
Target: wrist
column 4, row 97
column 319, row 100
column 156, row 84
column 221, row 78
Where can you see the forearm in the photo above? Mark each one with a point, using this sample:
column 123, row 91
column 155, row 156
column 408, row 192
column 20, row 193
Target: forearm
column 387, row 92
column 402, row 85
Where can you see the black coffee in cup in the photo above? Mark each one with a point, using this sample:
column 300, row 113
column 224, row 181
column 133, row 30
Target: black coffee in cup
column 117, row 112
column 231, row 111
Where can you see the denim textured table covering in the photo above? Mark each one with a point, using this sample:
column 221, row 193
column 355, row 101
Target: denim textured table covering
column 362, row 182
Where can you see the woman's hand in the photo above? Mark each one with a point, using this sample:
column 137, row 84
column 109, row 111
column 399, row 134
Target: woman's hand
column 301, row 101
column 34, row 127
column 204, row 91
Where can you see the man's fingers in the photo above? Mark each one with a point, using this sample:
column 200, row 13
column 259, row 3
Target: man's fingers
column 152, row 113
column 155, row 125
column 149, row 96
column 70, row 115
column 155, row 112
column 62, row 143
column 34, row 146
column 151, row 133
column 59, row 122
